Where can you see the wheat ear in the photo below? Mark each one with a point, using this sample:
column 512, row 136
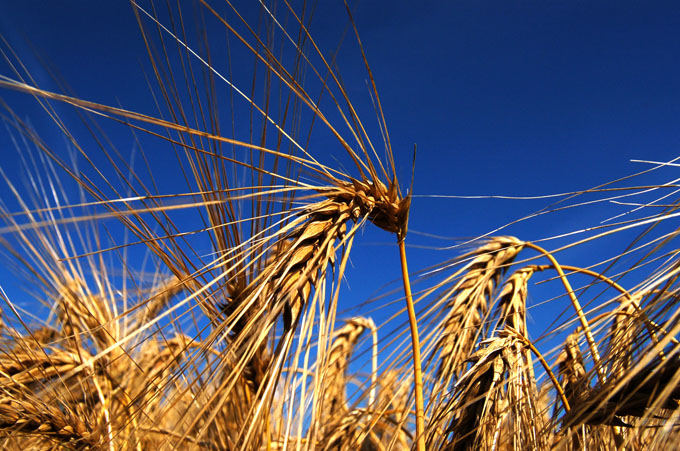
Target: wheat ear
column 467, row 304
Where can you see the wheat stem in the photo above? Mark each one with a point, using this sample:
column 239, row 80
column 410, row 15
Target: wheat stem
column 651, row 326
column 415, row 341
column 577, row 307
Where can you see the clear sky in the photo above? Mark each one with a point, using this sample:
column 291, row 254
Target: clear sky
column 506, row 98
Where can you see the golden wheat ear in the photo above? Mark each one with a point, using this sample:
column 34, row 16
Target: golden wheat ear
column 342, row 427
column 467, row 302
column 495, row 402
column 26, row 421
column 477, row 406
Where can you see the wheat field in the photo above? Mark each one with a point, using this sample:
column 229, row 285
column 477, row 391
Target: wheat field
column 189, row 294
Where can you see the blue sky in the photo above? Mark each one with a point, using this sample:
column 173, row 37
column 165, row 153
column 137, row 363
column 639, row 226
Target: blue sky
column 504, row 98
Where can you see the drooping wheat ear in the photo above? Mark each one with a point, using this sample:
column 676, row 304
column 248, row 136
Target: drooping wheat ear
column 307, row 246
column 333, row 401
column 475, row 416
column 296, row 265
column 574, row 381
column 524, row 423
column 293, row 277
column 622, row 335
column 30, row 366
column 495, row 402
column 304, row 248
column 349, row 433
column 511, row 303
column 385, row 207
column 602, row 416
column 467, row 304
column 572, row 369
column 24, row 416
